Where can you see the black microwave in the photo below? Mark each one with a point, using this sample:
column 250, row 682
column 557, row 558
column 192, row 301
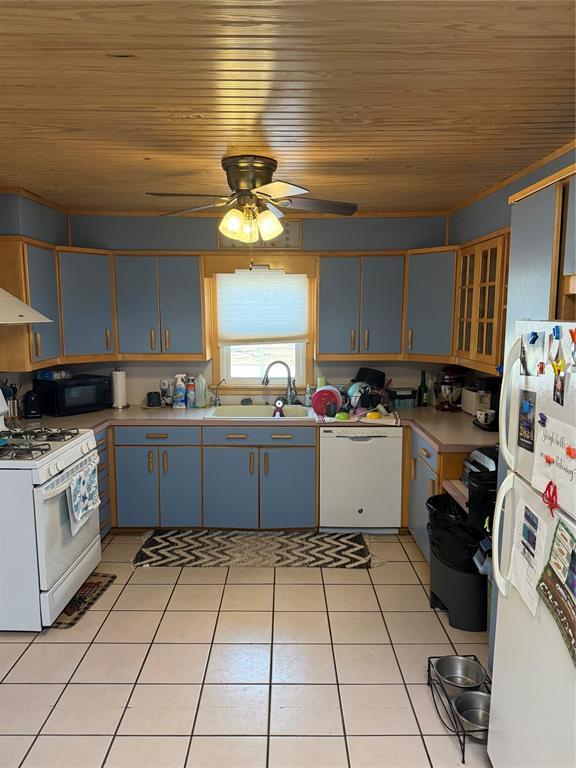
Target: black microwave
column 81, row 394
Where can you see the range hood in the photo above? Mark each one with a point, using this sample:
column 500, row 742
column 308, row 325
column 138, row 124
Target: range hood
column 16, row 312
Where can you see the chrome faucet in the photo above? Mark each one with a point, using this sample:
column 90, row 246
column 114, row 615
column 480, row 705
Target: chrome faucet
column 215, row 395
column 290, row 383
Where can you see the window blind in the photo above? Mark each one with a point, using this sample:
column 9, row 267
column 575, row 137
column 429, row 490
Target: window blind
column 259, row 307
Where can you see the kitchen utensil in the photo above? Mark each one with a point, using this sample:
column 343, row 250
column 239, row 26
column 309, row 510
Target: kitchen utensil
column 336, row 392
column 322, row 398
column 372, row 376
column 355, row 392
column 458, row 672
column 153, row 400
column 485, row 417
column 473, row 709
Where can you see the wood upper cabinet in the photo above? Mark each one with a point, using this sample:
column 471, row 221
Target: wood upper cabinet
column 429, row 303
column 480, row 289
column 86, row 300
column 360, row 307
column 43, row 295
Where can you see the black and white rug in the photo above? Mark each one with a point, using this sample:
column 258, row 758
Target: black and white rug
column 282, row 549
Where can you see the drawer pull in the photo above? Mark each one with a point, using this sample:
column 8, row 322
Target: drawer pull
column 412, row 469
column 152, row 339
column 103, row 495
column 410, row 339
column 424, row 452
column 352, row 340
column 165, row 461
column 167, row 341
column 101, row 467
column 366, row 339
column 236, row 437
column 102, row 441
column 282, row 437
column 104, row 523
column 154, row 436
column 38, row 344
column 251, row 463
column 265, row 463
column 108, row 337
column 150, row 461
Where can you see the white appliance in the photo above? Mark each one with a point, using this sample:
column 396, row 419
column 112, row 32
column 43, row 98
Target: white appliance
column 533, row 706
column 360, row 477
column 42, row 564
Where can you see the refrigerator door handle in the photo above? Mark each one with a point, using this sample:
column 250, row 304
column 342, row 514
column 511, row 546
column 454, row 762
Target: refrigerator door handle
column 505, row 451
column 506, row 486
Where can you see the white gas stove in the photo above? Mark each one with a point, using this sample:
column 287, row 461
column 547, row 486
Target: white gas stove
column 42, row 563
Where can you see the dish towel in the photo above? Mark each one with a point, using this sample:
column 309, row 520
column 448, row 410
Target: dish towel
column 83, row 496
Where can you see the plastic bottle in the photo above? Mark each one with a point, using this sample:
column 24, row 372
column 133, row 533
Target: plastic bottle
column 190, row 392
column 200, row 391
column 308, row 396
column 179, row 394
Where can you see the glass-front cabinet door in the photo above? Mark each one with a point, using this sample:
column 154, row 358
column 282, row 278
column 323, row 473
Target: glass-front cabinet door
column 465, row 301
column 489, row 254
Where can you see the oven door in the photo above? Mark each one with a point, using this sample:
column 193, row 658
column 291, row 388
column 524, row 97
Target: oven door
column 57, row 547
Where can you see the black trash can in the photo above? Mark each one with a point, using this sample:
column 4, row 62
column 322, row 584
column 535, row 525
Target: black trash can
column 455, row 583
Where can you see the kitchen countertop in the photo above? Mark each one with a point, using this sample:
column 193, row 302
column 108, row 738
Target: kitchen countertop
column 446, row 432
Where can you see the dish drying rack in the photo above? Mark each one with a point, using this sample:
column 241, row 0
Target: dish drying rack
column 443, row 701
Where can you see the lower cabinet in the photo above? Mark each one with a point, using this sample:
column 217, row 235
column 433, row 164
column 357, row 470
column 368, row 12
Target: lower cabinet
column 158, row 486
column 259, row 487
column 422, row 486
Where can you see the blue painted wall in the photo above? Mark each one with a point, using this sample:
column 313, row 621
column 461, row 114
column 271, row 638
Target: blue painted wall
column 21, row 216
column 493, row 211
column 365, row 234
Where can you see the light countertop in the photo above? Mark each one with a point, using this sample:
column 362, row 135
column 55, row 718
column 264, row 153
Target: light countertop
column 446, row 432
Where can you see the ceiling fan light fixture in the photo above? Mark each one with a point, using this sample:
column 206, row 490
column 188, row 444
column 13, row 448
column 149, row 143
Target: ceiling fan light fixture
column 269, row 225
column 232, row 224
column 249, row 233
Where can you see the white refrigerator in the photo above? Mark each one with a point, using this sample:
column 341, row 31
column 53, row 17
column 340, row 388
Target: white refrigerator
column 533, row 705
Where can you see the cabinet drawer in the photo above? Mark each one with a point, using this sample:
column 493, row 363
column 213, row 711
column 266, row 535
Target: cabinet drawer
column 153, row 435
column 105, row 519
column 259, row 436
column 103, row 462
column 101, row 439
column 423, row 449
column 104, row 489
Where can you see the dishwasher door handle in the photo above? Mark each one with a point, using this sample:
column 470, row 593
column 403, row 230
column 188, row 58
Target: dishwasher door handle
column 361, row 439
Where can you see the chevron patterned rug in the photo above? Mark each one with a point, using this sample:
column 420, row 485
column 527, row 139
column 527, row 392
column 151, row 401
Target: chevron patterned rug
column 283, row 549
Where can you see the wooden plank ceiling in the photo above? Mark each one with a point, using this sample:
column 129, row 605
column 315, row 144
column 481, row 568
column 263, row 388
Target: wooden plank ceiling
column 395, row 105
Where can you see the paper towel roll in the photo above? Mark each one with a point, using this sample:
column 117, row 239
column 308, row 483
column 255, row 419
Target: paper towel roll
column 119, row 389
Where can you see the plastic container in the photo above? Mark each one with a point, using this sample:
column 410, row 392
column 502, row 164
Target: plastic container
column 179, row 394
column 190, row 393
column 200, row 391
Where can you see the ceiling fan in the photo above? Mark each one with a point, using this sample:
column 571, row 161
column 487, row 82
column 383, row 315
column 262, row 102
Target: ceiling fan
column 256, row 202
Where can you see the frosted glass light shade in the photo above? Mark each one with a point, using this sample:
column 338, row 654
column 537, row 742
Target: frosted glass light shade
column 231, row 225
column 249, row 233
column 269, row 225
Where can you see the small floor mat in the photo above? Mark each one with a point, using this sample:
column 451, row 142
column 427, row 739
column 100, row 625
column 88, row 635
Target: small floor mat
column 283, row 549
column 89, row 592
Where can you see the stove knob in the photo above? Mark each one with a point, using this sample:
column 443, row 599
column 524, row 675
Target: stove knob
column 91, row 444
column 85, row 448
column 59, row 466
column 52, row 470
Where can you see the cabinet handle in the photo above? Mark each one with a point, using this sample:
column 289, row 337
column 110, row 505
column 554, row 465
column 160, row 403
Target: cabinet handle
column 410, row 339
column 108, row 337
column 236, row 437
column 424, row 452
column 150, row 461
column 265, row 463
column 282, row 437
column 153, row 339
column 412, row 469
column 165, row 461
column 167, row 339
column 352, row 340
column 37, row 344
column 102, row 441
column 366, row 338
column 155, row 436
column 103, row 496
column 101, row 467
column 432, row 487
column 251, row 463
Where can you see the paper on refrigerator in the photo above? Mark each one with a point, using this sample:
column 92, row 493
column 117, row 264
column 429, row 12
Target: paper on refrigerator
column 528, row 553
column 552, row 463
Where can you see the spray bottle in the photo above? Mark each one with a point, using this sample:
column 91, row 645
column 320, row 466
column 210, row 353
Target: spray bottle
column 179, row 394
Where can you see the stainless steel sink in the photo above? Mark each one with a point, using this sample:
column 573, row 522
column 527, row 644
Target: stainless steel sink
column 264, row 412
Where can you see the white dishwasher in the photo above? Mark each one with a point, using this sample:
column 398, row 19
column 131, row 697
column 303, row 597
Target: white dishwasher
column 360, row 477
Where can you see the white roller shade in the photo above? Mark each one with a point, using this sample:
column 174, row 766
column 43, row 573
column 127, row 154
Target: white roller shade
column 262, row 306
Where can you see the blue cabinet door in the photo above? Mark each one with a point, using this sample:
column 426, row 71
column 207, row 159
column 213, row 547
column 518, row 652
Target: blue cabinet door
column 339, row 305
column 85, row 281
column 382, row 291
column 287, row 487
column 137, row 486
column 421, row 488
column 180, row 487
column 231, row 487
column 180, row 304
column 430, row 303
column 42, row 285
column 137, row 304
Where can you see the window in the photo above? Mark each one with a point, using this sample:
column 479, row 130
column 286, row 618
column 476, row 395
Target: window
column 262, row 317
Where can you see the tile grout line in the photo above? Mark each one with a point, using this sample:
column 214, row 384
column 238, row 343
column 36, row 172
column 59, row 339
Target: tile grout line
column 268, row 735
column 336, row 672
column 401, row 673
column 203, row 682
column 53, row 707
column 135, row 683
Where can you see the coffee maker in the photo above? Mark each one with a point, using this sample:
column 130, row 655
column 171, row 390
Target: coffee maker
column 492, row 385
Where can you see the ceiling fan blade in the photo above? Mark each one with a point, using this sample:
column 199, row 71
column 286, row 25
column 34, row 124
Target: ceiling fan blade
column 186, row 194
column 280, row 189
column 318, row 206
column 195, row 208
column 276, row 211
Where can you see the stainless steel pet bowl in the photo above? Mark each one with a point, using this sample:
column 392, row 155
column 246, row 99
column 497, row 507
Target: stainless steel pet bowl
column 473, row 708
column 458, row 672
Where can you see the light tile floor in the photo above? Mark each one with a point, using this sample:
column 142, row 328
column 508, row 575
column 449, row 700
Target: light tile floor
column 239, row 667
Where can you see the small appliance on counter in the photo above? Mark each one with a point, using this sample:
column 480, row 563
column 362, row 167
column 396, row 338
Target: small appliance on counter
column 448, row 388
column 490, row 387
column 31, row 409
column 82, row 393
column 402, row 399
